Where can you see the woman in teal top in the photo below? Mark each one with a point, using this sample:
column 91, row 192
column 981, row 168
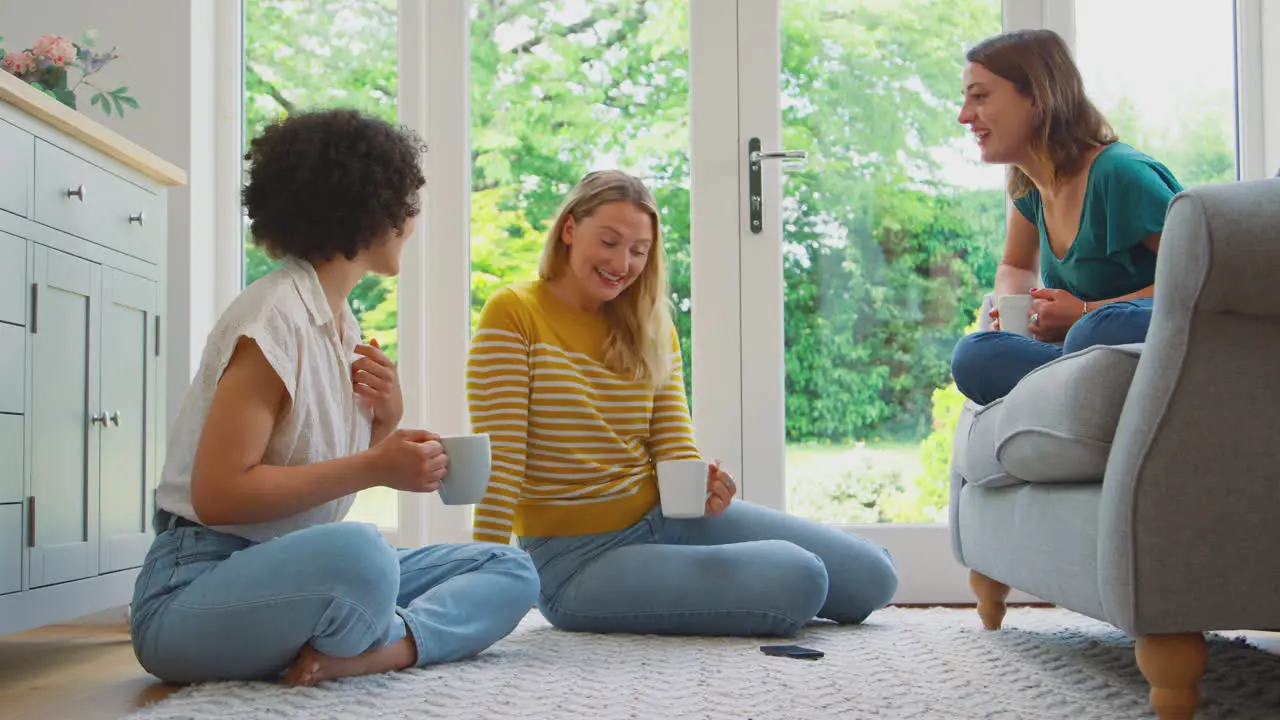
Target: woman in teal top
column 1090, row 211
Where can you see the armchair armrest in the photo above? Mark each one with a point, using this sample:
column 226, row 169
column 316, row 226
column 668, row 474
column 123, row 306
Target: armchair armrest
column 1188, row 534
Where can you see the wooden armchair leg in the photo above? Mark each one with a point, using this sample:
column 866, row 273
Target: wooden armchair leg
column 991, row 596
column 1173, row 664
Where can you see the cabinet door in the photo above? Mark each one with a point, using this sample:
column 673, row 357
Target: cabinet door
column 10, row 548
column 14, row 287
column 128, row 398
column 65, row 418
column 17, row 157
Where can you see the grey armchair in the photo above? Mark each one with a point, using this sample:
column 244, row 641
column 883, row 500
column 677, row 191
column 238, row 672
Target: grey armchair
column 1140, row 485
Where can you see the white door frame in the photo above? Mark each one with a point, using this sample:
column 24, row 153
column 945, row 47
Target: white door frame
column 715, row 258
column 1258, row 48
column 434, row 315
column 764, row 417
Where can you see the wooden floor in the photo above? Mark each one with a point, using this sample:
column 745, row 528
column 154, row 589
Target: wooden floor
column 88, row 672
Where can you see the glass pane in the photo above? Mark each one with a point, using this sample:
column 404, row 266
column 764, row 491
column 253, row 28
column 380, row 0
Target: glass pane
column 1177, row 106
column 562, row 88
column 892, row 232
column 301, row 55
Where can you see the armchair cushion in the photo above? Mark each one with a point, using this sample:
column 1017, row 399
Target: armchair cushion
column 1055, row 426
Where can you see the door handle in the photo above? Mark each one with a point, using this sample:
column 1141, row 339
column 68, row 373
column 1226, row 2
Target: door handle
column 755, row 156
column 758, row 155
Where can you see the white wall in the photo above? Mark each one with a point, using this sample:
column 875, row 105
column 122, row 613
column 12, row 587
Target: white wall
column 166, row 52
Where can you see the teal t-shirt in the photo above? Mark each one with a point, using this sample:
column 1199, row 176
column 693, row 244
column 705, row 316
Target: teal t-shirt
column 1126, row 197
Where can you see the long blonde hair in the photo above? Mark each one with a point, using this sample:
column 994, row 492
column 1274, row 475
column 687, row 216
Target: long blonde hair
column 640, row 326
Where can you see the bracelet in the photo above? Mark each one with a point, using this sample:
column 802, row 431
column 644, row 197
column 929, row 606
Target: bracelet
column 1086, row 308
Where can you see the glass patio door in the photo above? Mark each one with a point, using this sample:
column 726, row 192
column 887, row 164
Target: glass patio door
column 868, row 232
column 816, row 343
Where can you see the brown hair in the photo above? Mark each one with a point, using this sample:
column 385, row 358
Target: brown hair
column 1039, row 64
column 640, row 326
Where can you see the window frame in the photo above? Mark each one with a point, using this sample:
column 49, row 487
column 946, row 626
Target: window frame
column 434, row 317
column 434, row 289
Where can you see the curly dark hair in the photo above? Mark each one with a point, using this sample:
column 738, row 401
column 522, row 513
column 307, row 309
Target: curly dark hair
column 330, row 182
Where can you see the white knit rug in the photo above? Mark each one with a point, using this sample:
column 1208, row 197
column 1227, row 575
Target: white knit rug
column 902, row 663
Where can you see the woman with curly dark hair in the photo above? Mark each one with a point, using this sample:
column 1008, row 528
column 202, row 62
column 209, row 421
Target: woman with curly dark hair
column 253, row 574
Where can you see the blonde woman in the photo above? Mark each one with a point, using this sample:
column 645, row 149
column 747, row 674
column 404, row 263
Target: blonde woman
column 577, row 378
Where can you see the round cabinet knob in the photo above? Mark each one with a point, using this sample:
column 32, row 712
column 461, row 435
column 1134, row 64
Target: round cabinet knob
column 115, row 418
column 99, row 419
column 76, row 192
column 140, row 218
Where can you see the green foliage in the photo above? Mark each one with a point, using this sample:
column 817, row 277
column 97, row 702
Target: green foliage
column 885, row 260
column 930, row 488
column 256, row 262
column 856, row 489
column 1199, row 148
column 870, row 323
column 379, row 324
column 311, row 54
column 117, row 98
column 504, row 247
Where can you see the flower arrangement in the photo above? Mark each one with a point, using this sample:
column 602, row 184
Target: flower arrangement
column 45, row 65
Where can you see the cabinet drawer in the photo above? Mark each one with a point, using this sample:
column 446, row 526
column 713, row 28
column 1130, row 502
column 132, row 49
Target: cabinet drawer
column 10, row 548
column 80, row 198
column 11, row 458
column 13, row 278
column 17, row 157
column 13, row 365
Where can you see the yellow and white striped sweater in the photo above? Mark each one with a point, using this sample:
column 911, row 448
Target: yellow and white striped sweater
column 574, row 445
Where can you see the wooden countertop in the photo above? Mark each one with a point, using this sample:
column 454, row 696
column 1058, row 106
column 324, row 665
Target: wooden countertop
column 94, row 134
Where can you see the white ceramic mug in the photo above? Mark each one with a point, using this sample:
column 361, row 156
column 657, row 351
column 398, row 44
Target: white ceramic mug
column 682, row 488
column 1015, row 312
column 470, row 462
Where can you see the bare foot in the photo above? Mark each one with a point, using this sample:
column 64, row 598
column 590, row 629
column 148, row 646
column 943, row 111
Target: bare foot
column 313, row 666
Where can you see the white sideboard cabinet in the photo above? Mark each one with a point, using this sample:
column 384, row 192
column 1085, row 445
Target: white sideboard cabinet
column 82, row 292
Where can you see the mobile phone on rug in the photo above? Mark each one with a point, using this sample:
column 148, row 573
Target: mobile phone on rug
column 791, row 651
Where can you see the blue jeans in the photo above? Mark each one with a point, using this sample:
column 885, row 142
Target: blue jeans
column 212, row 606
column 987, row 365
column 749, row 571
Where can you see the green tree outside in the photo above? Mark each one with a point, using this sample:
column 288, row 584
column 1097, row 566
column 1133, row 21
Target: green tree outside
column 885, row 262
